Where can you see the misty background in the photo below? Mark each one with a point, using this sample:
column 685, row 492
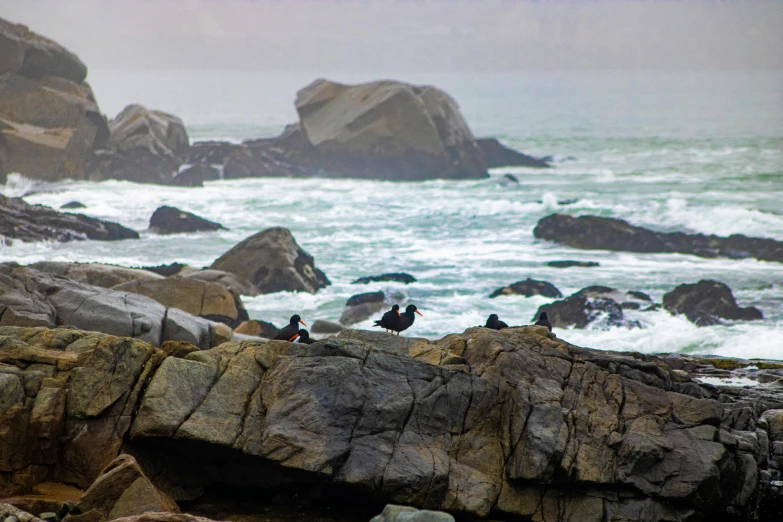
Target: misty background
column 390, row 35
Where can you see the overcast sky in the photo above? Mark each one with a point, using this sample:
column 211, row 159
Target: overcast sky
column 389, row 35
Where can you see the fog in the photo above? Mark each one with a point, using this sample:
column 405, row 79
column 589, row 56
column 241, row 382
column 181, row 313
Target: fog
column 412, row 36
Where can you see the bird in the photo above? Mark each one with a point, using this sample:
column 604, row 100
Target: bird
column 406, row 319
column 304, row 337
column 291, row 331
column 390, row 318
column 544, row 321
column 494, row 323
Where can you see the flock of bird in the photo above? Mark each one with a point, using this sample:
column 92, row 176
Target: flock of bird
column 391, row 321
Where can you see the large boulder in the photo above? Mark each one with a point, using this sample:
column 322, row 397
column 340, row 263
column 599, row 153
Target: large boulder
column 384, row 130
column 20, row 220
column 594, row 307
column 171, row 220
column 96, row 274
column 528, row 288
column 231, row 282
column 273, row 262
column 498, row 155
column 29, row 54
column 707, row 302
column 196, row 175
column 593, row 232
column 252, row 159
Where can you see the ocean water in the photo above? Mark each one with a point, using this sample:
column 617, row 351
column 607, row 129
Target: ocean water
column 693, row 152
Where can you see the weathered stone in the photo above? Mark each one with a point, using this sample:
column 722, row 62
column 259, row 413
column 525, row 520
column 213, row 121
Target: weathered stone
column 362, row 306
column 35, row 56
column 257, row 329
column 196, row 175
column 171, row 220
column 528, row 288
column 392, row 513
column 707, row 302
column 96, row 274
column 325, row 327
column 231, row 282
column 498, row 155
column 397, row 277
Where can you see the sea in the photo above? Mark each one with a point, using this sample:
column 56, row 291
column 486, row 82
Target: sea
column 672, row 151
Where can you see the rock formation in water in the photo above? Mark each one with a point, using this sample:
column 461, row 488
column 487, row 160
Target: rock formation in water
column 599, row 233
column 498, row 155
column 171, row 220
column 528, row 288
column 707, row 302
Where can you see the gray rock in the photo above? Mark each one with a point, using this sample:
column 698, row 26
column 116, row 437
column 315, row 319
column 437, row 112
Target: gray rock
column 11, row 391
column 96, row 274
column 528, row 288
column 320, row 326
column 706, row 303
column 362, row 306
column 171, row 220
column 196, row 175
column 392, row 513
column 231, row 282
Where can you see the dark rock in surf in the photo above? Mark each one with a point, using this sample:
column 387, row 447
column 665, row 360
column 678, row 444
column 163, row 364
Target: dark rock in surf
column 325, row 327
column 632, row 300
column 171, row 220
column 706, row 303
column 397, row 277
column 362, row 306
column 72, row 205
column 498, row 155
column 571, row 264
column 592, row 232
column 580, row 311
column 528, row 288
column 20, row 220
column 196, row 175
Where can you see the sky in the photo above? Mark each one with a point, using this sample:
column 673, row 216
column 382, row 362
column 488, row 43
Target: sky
column 408, row 35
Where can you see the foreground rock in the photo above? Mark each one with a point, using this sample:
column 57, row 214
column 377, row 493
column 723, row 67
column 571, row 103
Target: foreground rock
column 516, row 423
column 528, row 288
column 592, row 232
column 273, row 262
column 498, row 155
column 397, row 277
column 360, row 307
column 20, row 220
column 171, row 220
column 257, row 328
column 706, row 303
column 96, row 274
column 392, row 513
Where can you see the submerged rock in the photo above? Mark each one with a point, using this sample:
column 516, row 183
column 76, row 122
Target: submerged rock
column 593, row 232
column 171, row 220
column 397, row 277
column 707, row 302
column 570, row 264
column 20, row 220
column 498, row 155
column 72, row 205
column 528, row 288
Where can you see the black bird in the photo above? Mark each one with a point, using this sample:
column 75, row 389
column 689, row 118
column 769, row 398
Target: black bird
column 495, row 323
column 544, row 321
column 406, row 319
column 304, row 337
column 291, row 331
column 390, row 318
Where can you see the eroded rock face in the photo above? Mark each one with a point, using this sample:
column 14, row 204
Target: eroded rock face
column 707, row 302
column 592, row 232
column 528, row 288
column 171, row 220
column 96, row 274
column 20, row 220
column 273, row 262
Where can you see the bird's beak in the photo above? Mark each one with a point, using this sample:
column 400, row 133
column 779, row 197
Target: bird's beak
column 419, row 313
column 304, row 323
column 294, row 337
column 398, row 312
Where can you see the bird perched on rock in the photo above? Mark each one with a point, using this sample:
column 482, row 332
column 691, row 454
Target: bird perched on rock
column 406, row 319
column 390, row 318
column 544, row 321
column 304, row 337
column 291, row 330
column 494, row 323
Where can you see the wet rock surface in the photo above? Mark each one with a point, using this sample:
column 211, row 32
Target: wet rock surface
column 528, row 288
column 707, row 302
column 498, row 155
column 397, row 277
column 573, row 264
column 362, row 306
column 171, row 220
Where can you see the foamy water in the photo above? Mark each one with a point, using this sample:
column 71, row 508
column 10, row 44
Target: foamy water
column 716, row 171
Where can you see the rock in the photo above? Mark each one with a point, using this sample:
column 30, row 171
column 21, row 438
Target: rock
column 362, row 306
column 384, row 130
column 45, row 497
column 570, row 264
column 498, row 155
column 35, row 56
column 96, row 274
column 9, row 513
column 392, row 513
column 273, row 262
column 706, row 303
column 258, row 158
column 73, row 204
column 320, row 326
column 165, row 270
column 199, row 298
column 121, row 490
column 528, row 288
column 580, row 310
column 20, row 220
column 145, row 146
column 171, row 220
column 196, row 175
column 627, row 300
column 231, row 282
column 592, row 232
column 49, row 516
column 397, row 277
column 257, row 329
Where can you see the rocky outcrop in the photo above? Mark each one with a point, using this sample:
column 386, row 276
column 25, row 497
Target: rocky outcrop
column 20, row 220
column 528, row 288
column 196, row 175
column 498, row 155
column 273, row 262
column 396, row 277
column 252, row 159
column 96, row 274
column 632, row 300
column 594, row 306
column 706, row 303
column 383, row 130
column 145, row 146
column 593, row 232
column 171, row 220
column 231, row 282
column 49, row 121
column 362, row 306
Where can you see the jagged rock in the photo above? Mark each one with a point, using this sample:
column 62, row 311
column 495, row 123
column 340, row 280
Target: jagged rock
column 96, row 274
column 383, row 129
column 72, row 205
column 20, row 220
column 632, row 300
column 397, row 277
column 580, row 310
column 320, row 326
column 196, row 175
column 707, row 302
column 498, row 155
column 231, row 282
column 570, row 264
column 121, row 490
column 362, row 306
column 171, row 220
column 257, row 329
column 592, row 232
column 273, row 262
column 528, row 288
column 392, row 513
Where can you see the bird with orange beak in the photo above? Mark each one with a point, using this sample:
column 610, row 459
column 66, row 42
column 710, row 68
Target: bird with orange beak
column 291, row 331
